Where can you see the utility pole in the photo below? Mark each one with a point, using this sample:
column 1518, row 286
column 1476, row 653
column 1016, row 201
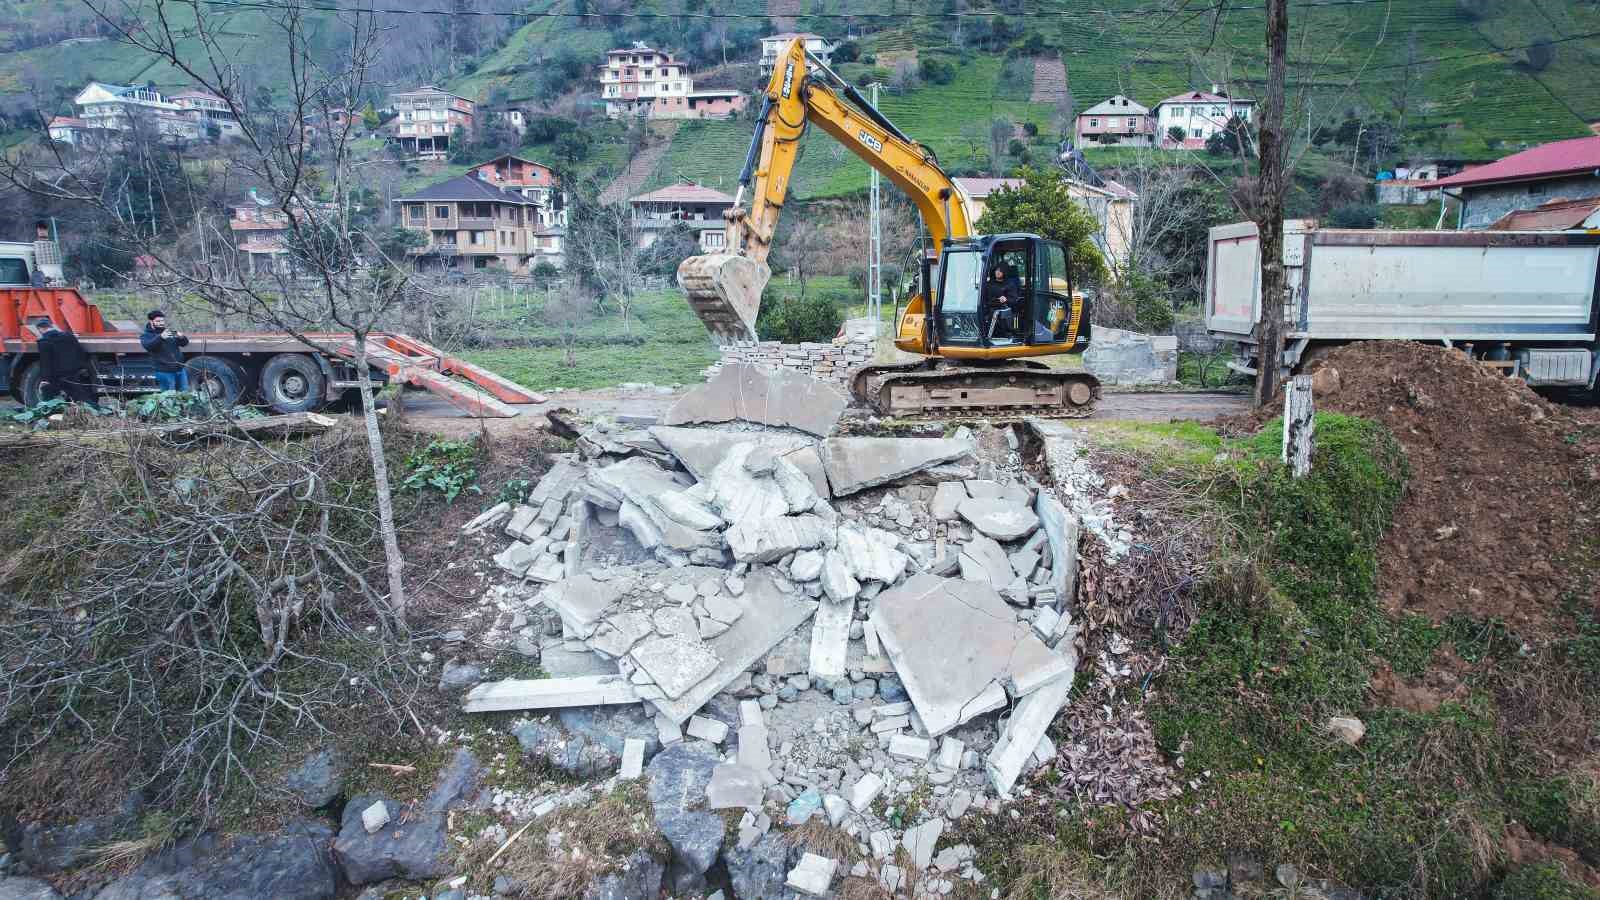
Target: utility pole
column 1269, row 210
column 875, row 244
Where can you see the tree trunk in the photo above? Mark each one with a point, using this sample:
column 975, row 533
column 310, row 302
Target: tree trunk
column 394, row 563
column 1269, row 210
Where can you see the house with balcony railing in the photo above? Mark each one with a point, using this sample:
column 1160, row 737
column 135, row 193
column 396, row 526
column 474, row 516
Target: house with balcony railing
column 426, row 118
column 470, row 224
column 696, row 206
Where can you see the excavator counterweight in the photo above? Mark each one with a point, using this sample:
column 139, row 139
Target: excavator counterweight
column 985, row 302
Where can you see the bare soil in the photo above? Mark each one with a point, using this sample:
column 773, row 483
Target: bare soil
column 1499, row 499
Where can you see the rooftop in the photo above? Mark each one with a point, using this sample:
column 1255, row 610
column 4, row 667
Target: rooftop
column 683, row 193
column 468, row 188
column 1204, row 97
column 1557, row 215
column 1118, row 105
column 1569, row 157
column 427, row 90
column 791, row 35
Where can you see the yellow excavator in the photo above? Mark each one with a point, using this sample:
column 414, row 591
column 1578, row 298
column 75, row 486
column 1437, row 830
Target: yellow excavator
column 984, row 303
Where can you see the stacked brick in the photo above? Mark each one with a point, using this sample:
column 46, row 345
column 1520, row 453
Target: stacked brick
column 825, row 362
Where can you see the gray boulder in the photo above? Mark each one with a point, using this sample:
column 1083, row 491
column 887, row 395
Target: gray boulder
column 762, row 870
column 640, row 879
column 412, row 844
column 26, row 889
column 574, row 755
column 293, row 864
column 318, row 779
column 57, row 847
column 611, row 726
column 679, row 776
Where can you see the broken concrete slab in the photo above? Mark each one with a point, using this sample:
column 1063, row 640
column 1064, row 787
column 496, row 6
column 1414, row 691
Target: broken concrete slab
column 771, row 539
column 741, row 496
column 754, row 750
column 556, row 484
column 985, row 562
column 921, row 840
column 813, row 876
column 742, row 392
column 1002, row 520
column 550, row 693
column 487, row 519
column 770, row 616
column 517, row 558
column 735, row 786
column 947, row 499
column 582, row 602
column 830, row 640
column 682, row 508
column 616, row 635
column 807, row 566
column 723, row 608
column 950, row 642
column 1061, row 528
column 864, row 791
column 1028, row 723
column 700, row 450
column 907, row 746
column 675, row 664
column 632, row 758
column 870, row 554
column 796, row 486
column 837, row 582
column 560, row 662
column 855, row 464
column 641, row 482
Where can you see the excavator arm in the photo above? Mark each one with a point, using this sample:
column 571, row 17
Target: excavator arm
column 725, row 288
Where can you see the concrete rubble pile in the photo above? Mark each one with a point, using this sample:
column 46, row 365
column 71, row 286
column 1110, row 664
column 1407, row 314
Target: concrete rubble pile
column 843, row 622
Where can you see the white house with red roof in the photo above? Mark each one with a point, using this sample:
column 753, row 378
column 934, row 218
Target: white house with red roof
column 694, row 205
column 1561, row 170
column 1111, row 204
column 1199, row 114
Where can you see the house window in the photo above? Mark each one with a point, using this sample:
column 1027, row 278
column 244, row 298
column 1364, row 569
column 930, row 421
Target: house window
column 1094, row 123
column 1536, row 188
column 1216, row 110
column 1194, row 132
column 418, row 212
column 441, row 212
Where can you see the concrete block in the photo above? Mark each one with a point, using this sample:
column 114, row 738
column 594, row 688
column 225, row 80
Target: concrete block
column 921, row 840
column 950, row 750
column 675, row 664
column 830, row 640
column 632, row 758
column 706, row 729
column 1019, row 740
column 813, row 876
column 864, row 791
column 550, row 693
column 735, row 786
column 906, row 746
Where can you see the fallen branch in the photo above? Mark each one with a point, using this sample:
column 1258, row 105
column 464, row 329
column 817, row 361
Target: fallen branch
column 396, row 768
column 289, row 425
column 509, row 841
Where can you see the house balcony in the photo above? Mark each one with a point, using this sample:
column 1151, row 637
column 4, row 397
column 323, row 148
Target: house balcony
column 476, row 223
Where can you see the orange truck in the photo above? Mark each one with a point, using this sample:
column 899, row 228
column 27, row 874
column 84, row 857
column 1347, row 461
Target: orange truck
column 273, row 369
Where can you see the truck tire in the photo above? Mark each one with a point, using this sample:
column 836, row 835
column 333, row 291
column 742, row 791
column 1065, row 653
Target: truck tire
column 222, row 381
column 28, row 384
column 293, row 382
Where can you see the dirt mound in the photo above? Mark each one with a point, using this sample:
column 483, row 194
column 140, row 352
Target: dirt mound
column 1498, row 487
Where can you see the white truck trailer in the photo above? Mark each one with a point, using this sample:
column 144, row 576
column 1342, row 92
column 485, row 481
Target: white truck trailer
column 1527, row 302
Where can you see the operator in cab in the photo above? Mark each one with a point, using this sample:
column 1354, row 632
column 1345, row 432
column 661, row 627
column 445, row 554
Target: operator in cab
column 1002, row 295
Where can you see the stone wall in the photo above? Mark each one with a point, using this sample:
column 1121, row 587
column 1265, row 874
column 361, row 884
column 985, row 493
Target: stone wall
column 1127, row 357
column 828, row 362
column 1487, row 204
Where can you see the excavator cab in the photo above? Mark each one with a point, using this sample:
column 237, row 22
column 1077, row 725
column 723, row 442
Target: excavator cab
column 1006, row 295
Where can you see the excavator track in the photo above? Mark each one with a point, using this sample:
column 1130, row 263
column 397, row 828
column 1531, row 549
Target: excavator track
column 948, row 390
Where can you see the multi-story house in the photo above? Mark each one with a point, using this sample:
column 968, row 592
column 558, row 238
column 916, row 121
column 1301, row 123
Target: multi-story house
column 260, row 230
column 634, row 79
column 68, row 130
column 472, row 224
column 1199, row 115
column 211, row 111
column 109, row 110
column 537, row 182
column 1116, row 122
column 773, row 46
column 426, row 117
column 694, row 205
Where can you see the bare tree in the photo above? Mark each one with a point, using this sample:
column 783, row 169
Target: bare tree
column 338, row 288
column 1000, row 133
column 603, row 247
column 1274, row 181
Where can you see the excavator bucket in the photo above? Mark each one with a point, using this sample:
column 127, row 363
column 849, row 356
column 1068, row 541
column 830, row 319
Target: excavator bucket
column 725, row 292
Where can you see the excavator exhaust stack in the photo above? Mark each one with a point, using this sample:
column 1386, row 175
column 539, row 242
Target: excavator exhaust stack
column 724, row 290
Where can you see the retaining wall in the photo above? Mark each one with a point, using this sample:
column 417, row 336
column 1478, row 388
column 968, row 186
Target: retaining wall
column 826, row 362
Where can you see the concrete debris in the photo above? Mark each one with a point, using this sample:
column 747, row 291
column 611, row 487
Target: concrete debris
column 906, row 746
column 837, row 582
column 947, row 500
column 807, row 566
column 813, row 876
column 517, row 558
column 688, row 510
column 746, row 393
column 1003, row 520
column 374, row 817
column 1061, row 528
column 1346, row 729
column 675, row 664
column 864, row 791
column 550, row 693
column 1077, row 484
column 735, row 786
column 830, row 638
column 1021, row 736
column 632, row 758
column 836, row 808
column 853, row 464
column 921, row 840
column 770, row 539
column 984, row 561
column 871, row 554
column 488, row 518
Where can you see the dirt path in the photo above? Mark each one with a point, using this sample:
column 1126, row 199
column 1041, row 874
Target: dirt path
column 642, row 166
column 1049, row 80
column 430, row 413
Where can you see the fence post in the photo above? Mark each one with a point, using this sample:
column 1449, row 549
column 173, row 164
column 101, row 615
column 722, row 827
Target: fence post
column 1298, row 423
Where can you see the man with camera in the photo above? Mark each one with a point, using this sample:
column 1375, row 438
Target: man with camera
column 164, row 344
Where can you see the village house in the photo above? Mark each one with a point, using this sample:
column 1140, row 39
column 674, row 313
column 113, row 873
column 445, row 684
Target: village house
column 1111, row 205
column 537, row 182
column 106, row 112
column 1562, row 170
column 697, row 206
column 426, row 118
column 511, row 115
column 471, row 224
column 1199, row 115
column 773, row 46
column 1117, row 122
column 652, row 84
column 260, row 229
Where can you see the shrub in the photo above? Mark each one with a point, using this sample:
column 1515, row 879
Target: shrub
column 1542, row 881
column 448, row 467
column 849, row 51
column 1031, row 129
column 936, row 70
column 1016, row 147
column 1541, row 54
column 1360, row 215
column 798, row 319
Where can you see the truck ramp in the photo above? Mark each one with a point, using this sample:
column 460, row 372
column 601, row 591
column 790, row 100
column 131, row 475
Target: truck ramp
column 470, row 388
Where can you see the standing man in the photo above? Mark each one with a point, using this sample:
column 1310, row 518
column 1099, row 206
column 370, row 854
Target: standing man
column 164, row 346
column 65, row 366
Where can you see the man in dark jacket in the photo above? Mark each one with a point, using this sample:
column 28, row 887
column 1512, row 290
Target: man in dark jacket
column 65, row 366
column 163, row 344
column 1003, row 299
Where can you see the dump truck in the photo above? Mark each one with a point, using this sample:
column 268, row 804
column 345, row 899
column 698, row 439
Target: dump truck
column 274, row 369
column 1525, row 302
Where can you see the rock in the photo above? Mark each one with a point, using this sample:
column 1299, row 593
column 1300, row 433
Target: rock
column 679, row 776
column 813, row 875
column 316, row 782
column 675, row 664
column 640, row 879
column 1000, row 519
column 459, row 676
column 765, row 540
column 762, row 869
column 1346, row 729
column 780, row 397
column 947, row 498
column 891, row 689
column 55, row 847
column 920, row 841
column 26, row 889
column 807, row 566
column 576, row 755
column 412, row 844
column 837, row 582
column 293, row 863
column 855, row 464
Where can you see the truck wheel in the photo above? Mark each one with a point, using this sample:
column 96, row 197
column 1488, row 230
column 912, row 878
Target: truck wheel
column 293, row 382
column 222, row 381
column 28, row 386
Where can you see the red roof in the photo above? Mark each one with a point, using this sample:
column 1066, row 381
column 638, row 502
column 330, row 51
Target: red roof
column 979, row 188
column 683, row 193
column 1203, row 97
column 1557, row 215
column 67, row 122
column 1545, row 161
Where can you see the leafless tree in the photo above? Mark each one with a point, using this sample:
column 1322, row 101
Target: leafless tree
column 1001, row 129
column 317, row 187
column 603, row 249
